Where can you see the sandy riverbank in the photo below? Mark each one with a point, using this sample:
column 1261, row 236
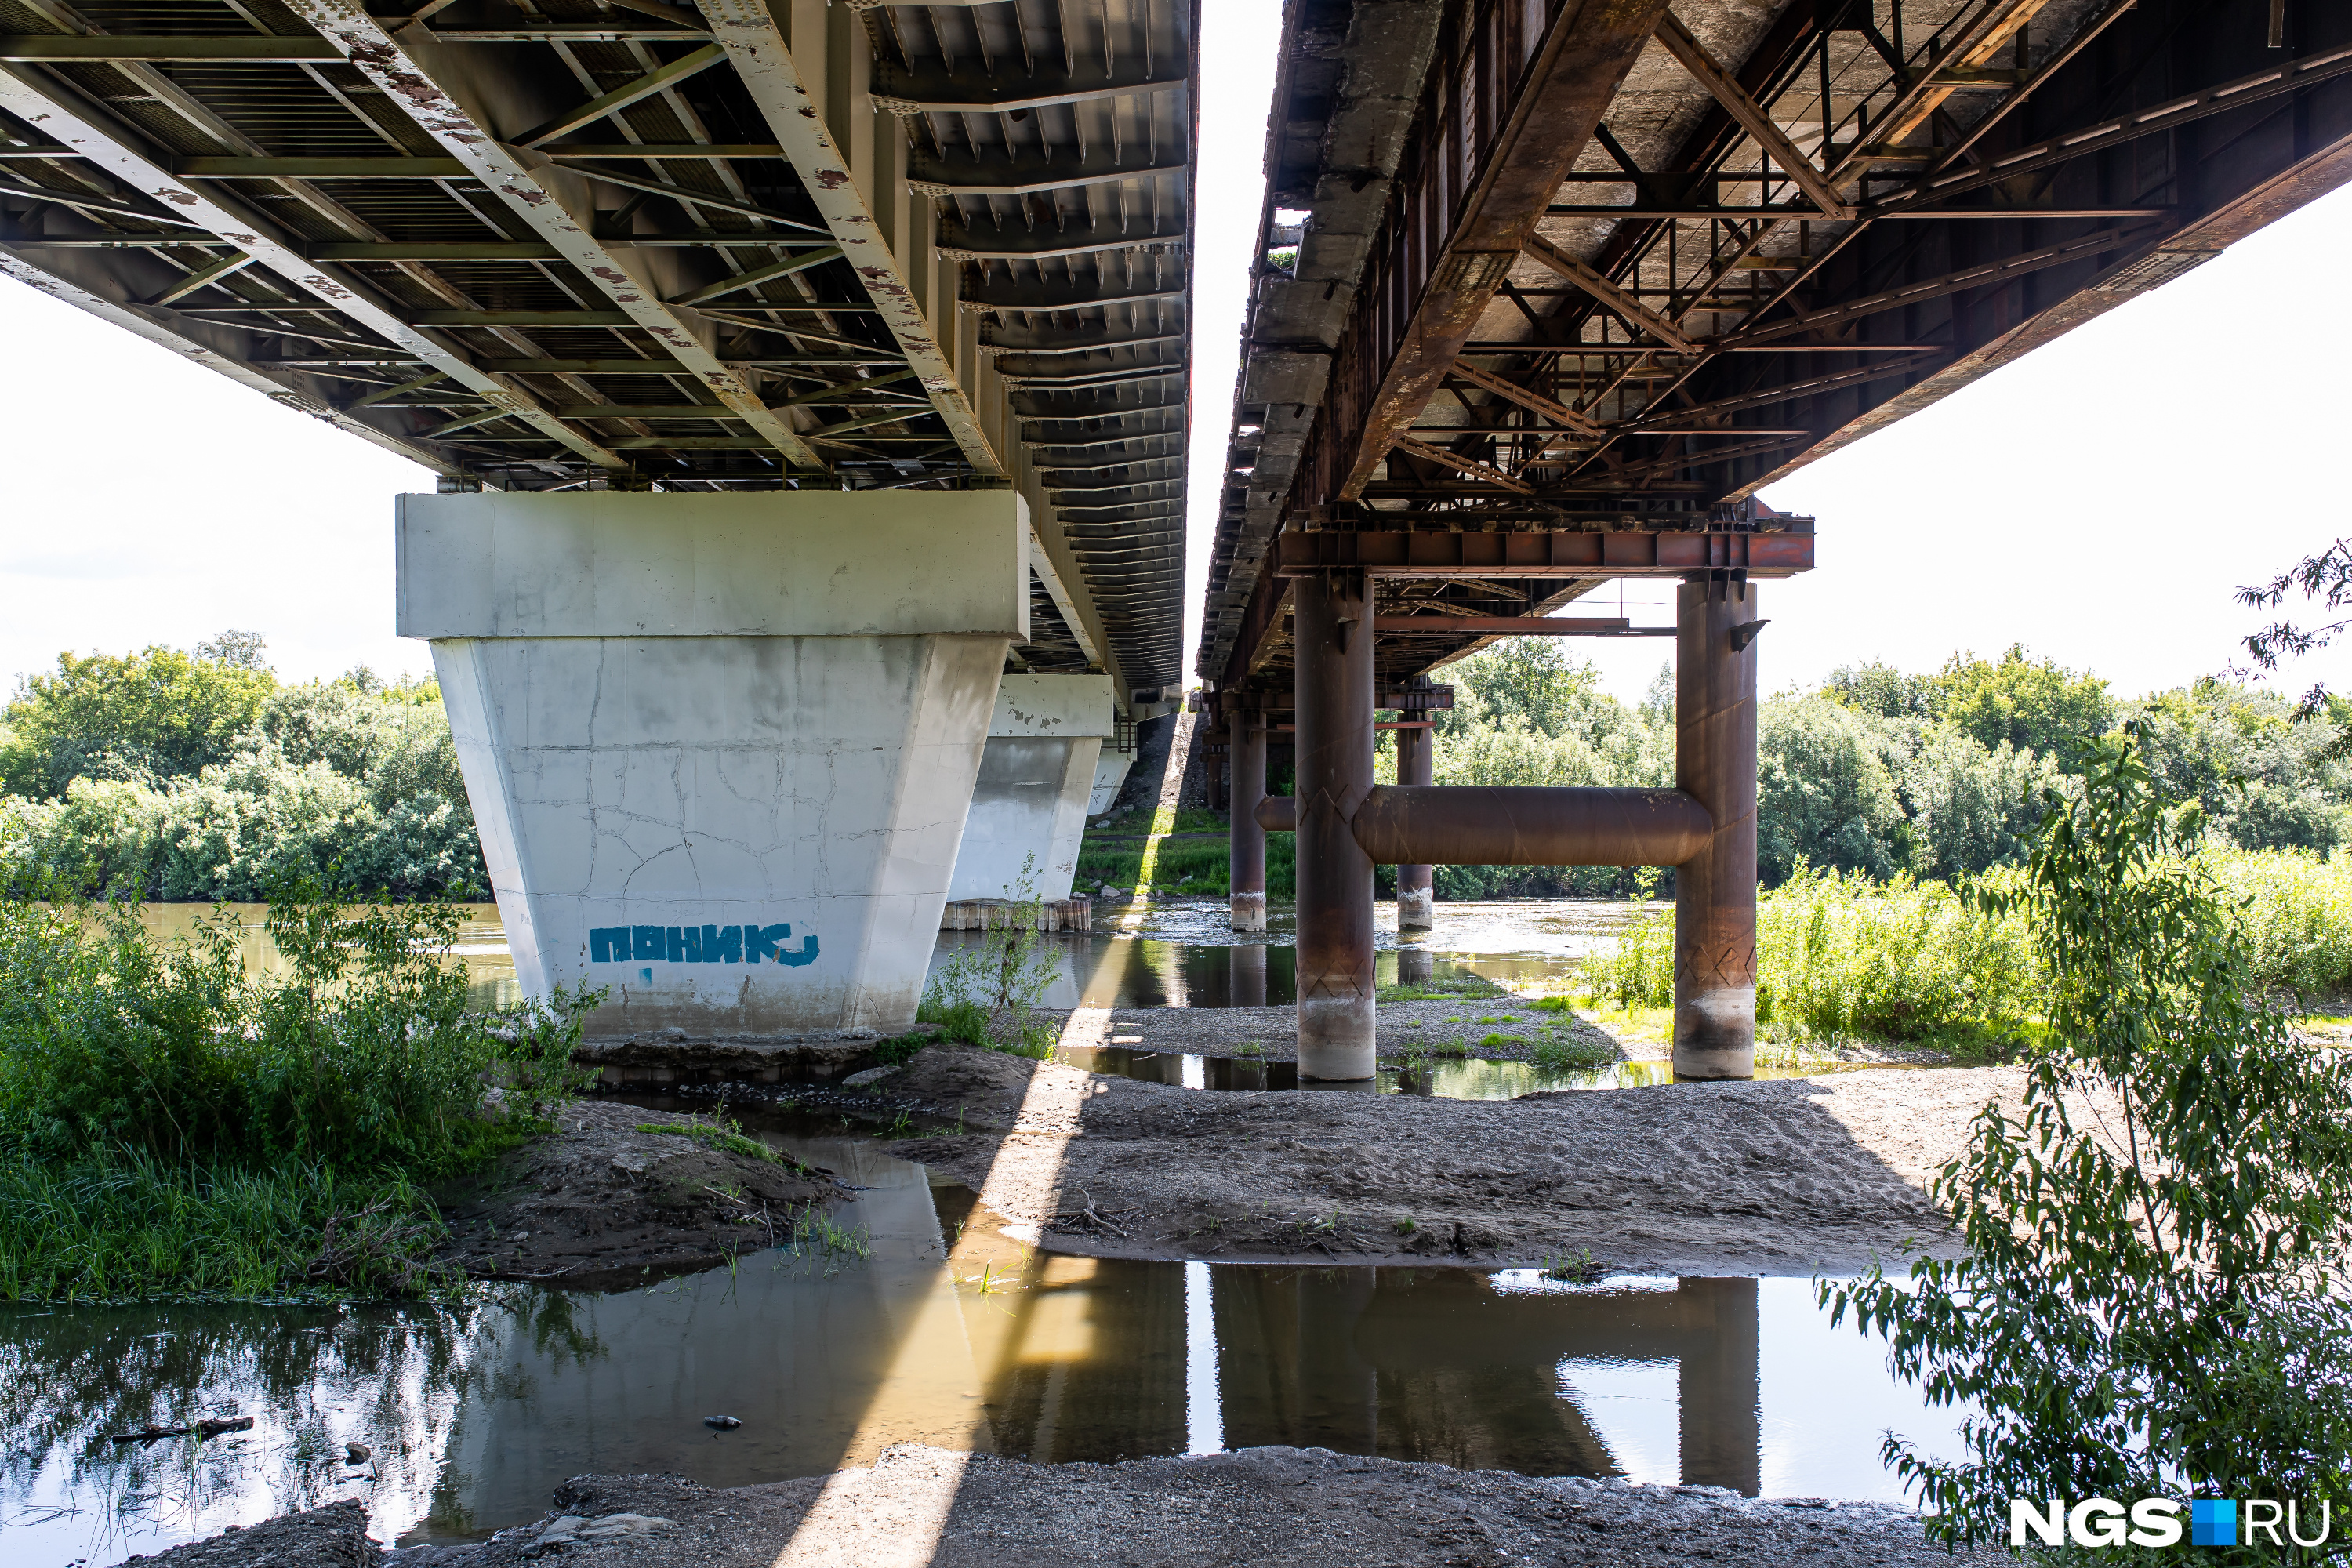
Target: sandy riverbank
column 1793, row 1176
column 1278, row 1508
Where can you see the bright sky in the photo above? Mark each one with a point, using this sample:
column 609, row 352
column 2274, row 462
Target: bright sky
column 2096, row 501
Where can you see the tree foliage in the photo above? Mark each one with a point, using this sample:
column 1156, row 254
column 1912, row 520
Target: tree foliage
column 2326, row 578
column 2148, row 1298
column 142, row 717
column 350, row 782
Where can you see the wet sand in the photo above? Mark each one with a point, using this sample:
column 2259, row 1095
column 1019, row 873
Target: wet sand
column 616, row 1194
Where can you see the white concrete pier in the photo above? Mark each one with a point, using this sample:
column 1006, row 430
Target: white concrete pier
column 721, row 746
column 1029, row 804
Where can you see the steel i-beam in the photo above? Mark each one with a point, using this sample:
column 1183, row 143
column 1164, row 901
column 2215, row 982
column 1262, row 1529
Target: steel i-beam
column 468, row 138
column 748, row 30
column 116, row 152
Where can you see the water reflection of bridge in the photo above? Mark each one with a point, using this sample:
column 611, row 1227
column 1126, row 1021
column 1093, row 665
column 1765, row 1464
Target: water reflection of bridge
column 1059, row 1358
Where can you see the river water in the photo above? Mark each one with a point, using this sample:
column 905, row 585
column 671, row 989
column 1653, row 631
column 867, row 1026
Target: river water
column 933, row 1325
column 1177, row 953
column 946, row 1331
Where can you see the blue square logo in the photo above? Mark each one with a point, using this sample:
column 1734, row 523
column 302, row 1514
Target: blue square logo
column 2213, row 1522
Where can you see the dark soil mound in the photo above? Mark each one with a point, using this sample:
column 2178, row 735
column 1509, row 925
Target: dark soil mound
column 603, row 1202
column 331, row 1537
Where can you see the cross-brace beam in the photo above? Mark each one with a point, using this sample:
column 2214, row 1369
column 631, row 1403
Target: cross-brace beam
column 541, row 202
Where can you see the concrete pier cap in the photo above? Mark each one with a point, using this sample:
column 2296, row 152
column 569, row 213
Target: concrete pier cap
column 720, row 746
column 1036, row 779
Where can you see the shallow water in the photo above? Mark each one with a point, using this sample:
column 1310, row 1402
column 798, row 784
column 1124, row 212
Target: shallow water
column 1463, row 1079
column 480, row 950
column 951, row 1331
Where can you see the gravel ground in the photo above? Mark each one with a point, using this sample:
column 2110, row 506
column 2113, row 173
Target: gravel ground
column 1785, row 1176
column 1463, row 1023
column 1278, row 1508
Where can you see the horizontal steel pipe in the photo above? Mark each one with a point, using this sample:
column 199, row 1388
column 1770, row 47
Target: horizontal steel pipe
column 1278, row 812
column 1469, row 826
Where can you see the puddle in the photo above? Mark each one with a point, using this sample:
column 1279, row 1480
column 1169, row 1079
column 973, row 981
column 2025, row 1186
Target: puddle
column 1462, row 1079
column 950, row 1331
column 1185, row 953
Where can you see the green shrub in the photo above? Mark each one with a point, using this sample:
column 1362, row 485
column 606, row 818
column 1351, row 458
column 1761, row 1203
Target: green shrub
column 2294, row 911
column 176, row 1094
column 2143, row 1306
column 1572, row 1055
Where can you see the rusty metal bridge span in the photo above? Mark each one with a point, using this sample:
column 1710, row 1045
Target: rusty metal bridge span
column 1546, row 292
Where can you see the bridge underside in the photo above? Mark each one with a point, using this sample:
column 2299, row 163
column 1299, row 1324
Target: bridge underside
column 1544, row 294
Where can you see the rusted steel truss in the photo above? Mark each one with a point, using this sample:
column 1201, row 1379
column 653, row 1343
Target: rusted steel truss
column 1776, row 230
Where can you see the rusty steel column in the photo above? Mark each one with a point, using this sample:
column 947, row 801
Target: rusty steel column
column 1416, row 885
column 1246, row 856
column 1334, row 641
column 1714, row 890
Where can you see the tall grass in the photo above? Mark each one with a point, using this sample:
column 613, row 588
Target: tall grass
column 2294, row 911
column 170, row 1125
column 1841, row 956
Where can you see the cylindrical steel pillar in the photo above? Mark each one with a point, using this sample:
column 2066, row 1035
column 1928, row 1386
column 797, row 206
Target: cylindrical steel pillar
column 1246, row 856
column 1714, row 890
column 1416, row 885
column 1333, row 637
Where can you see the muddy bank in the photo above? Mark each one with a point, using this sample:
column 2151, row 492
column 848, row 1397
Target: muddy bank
column 1788, row 1176
column 616, row 1193
column 1305, row 1508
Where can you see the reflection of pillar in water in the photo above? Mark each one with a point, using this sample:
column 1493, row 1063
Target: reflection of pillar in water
column 1245, row 974
column 1722, row 1434
column 1414, row 965
column 1416, row 885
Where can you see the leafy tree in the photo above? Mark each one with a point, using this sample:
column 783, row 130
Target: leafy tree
column 2035, row 705
column 2144, row 1297
column 1822, row 794
column 154, row 715
column 2326, row 577
column 1881, row 689
column 1536, row 680
column 1972, row 808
